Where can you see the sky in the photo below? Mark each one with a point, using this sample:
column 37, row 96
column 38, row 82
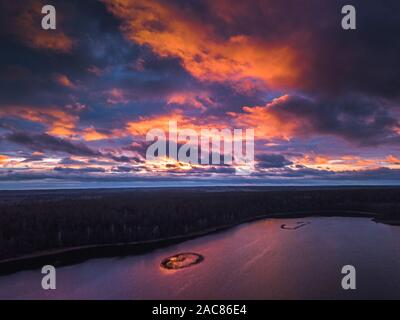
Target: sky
column 76, row 102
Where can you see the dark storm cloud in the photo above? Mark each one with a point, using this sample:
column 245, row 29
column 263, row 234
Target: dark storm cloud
column 333, row 61
column 100, row 59
column 272, row 161
column 363, row 120
column 31, row 70
column 69, row 161
column 45, row 142
column 78, row 171
column 123, row 159
column 300, row 177
column 201, row 170
column 365, row 60
column 126, row 169
column 375, row 174
column 33, row 158
column 307, row 174
column 122, row 169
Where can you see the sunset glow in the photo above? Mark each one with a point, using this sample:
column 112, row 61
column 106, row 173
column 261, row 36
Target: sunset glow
column 77, row 102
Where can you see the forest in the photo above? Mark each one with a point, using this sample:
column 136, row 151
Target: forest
column 37, row 221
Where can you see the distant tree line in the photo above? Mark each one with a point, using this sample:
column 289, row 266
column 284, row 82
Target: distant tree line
column 44, row 221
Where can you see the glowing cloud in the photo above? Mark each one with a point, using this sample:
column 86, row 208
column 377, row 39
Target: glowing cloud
column 64, row 81
column 205, row 54
column 59, row 122
column 267, row 123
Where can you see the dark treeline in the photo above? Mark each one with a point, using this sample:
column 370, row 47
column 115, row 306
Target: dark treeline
column 37, row 221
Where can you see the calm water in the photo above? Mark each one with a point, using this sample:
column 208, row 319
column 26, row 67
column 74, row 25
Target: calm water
column 259, row 260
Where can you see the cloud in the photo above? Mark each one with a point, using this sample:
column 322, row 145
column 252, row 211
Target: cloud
column 171, row 31
column 45, row 142
column 190, row 99
column 267, row 161
column 58, row 121
column 122, row 169
column 263, row 40
column 362, row 120
column 64, row 81
column 61, row 122
column 70, row 161
column 116, row 96
column 380, row 176
column 393, row 159
column 24, row 22
column 79, row 171
column 4, row 159
column 91, row 134
column 144, row 124
column 323, row 102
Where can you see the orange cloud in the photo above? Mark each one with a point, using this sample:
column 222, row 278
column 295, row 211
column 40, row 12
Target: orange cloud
column 145, row 124
column 91, row 134
column 339, row 163
column 4, row 159
column 313, row 160
column 393, row 159
column 59, row 122
column 170, row 32
column 360, row 162
column 209, row 126
column 64, row 81
column 168, row 164
column 267, row 124
column 196, row 100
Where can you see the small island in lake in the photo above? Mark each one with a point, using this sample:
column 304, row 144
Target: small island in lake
column 295, row 226
column 182, row 260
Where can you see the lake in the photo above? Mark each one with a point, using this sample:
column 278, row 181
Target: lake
column 258, row 260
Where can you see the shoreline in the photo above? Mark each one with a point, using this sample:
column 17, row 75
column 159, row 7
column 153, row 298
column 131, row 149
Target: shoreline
column 74, row 255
